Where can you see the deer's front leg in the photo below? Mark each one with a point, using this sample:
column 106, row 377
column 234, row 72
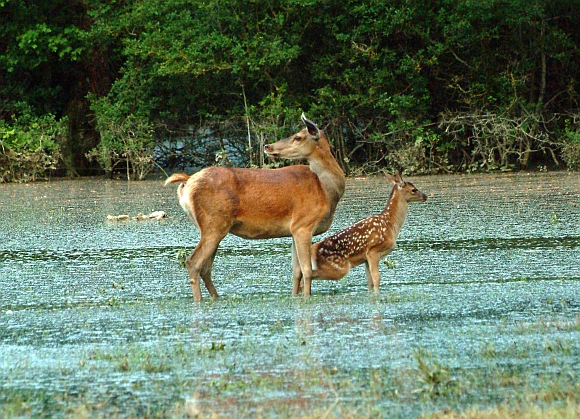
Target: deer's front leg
column 302, row 243
column 296, row 270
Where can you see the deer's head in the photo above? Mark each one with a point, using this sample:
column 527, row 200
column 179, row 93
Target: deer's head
column 409, row 192
column 298, row 146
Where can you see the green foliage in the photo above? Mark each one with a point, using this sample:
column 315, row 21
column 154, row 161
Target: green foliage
column 29, row 146
column 434, row 379
column 571, row 143
column 269, row 120
column 181, row 256
column 493, row 141
column 126, row 139
column 391, row 264
column 382, row 78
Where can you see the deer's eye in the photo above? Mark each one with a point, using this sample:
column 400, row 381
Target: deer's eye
column 414, row 190
column 298, row 138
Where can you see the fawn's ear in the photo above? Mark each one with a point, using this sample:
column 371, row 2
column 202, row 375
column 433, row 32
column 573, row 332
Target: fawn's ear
column 399, row 178
column 311, row 126
column 396, row 179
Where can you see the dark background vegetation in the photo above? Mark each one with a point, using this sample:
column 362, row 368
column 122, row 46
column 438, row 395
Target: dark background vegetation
column 93, row 86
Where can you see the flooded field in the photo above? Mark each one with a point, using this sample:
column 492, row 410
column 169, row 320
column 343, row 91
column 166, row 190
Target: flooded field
column 479, row 307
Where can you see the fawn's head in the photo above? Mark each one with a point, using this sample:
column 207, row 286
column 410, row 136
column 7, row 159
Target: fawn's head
column 407, row 190
column 298, row 146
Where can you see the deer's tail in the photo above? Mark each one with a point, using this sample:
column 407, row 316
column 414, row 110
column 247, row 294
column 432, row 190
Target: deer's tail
column 178, row 177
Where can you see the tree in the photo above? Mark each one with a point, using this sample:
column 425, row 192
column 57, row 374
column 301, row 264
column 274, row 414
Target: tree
column 437, row 85
column 50, row 58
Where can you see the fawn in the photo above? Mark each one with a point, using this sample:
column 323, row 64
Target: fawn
column 368, row 240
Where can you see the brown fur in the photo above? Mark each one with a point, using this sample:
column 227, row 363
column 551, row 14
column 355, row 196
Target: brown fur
column 368, row 240
column 297, row 201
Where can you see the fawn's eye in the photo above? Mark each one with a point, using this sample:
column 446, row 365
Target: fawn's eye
column 414, row 190
column 298, row 138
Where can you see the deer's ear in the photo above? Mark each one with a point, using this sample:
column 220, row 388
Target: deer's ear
column 311, row 126
column 396, row 179
column 399, row 178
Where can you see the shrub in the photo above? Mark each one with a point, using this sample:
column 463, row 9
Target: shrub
column 30, row 146
column 571, row 144
column 496, row 140
column 125, row 140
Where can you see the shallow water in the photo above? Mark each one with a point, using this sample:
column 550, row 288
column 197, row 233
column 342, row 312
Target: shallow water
column 486, row 277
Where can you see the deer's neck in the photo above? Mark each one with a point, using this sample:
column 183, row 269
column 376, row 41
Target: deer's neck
column 330, row 174
column 395, row 213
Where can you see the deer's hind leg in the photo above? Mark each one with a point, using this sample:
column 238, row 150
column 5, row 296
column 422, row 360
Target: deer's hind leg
column 329, row 265
column 206, row 276
column 372, row 270
column 200, row 262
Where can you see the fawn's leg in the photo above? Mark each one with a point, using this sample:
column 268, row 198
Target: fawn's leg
column 372, row 270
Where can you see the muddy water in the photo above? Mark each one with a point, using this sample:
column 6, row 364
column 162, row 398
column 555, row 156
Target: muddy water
column 100, row 313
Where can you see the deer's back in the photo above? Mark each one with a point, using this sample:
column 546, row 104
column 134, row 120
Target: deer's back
column 259, row 203
column 372, row 234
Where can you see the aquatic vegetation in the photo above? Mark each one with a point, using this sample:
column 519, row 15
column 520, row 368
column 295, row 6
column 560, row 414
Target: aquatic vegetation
column 433, row 378
column 96, row 318
column 181, row 256
column 391, row 264
column 568, row 411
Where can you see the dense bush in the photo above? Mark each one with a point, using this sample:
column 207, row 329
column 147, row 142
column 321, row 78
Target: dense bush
column 126, row 140
column 434, row 86
column 571, row 142
column 29, row 146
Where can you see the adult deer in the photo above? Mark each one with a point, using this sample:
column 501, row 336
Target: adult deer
column 368, row 240
column 297, row 201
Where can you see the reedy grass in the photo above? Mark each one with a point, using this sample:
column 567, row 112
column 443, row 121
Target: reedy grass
column 571, row 410
column 317, row 391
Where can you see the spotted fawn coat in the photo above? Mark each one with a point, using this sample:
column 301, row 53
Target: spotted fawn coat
column 368, row 240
